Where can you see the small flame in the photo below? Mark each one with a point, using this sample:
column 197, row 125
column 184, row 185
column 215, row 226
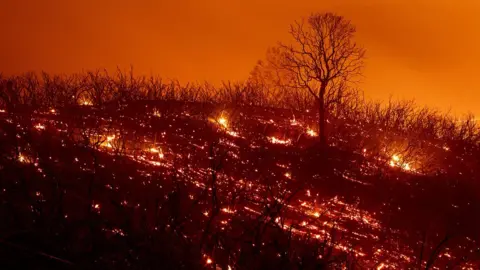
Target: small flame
column 108, row 140
column 312, row 133
column 397, row 161
column 223, row 122
column 157, row 150
column 24, row 159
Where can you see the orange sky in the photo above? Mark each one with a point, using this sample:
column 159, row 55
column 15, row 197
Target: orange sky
column 420, row 49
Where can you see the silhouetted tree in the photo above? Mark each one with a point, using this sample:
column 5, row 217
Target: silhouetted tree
column 322, row 56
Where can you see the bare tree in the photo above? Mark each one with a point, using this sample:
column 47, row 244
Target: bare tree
column 322, row 56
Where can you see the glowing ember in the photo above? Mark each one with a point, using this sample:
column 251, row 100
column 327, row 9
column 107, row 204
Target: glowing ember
column 118, row 232
column 39, row 126
column 228, row 210
column 209, row 261
column 233, row 133
column 156, row 163
column 96, row 207
column 274, row 140
column 85, row 102
column 156, row 113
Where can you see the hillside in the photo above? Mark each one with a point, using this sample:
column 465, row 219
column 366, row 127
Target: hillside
column 192, row 185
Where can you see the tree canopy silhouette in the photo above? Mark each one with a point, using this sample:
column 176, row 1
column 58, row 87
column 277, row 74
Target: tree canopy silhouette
column 322, row 58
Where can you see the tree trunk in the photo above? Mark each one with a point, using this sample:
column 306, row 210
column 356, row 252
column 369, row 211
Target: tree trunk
column 321, row 116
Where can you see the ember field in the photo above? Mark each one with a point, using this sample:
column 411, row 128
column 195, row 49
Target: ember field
column 195, row 185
